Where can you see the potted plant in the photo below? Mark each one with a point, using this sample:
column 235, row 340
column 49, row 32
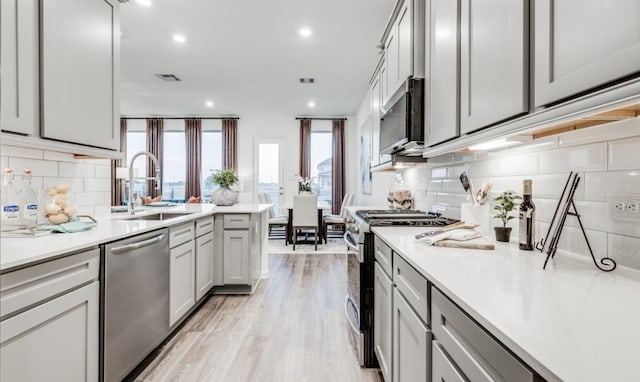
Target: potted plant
column 224, row 195
column 304, row 185
column 505, row 203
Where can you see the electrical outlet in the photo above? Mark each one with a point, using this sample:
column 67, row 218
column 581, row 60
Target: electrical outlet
column 625, row 207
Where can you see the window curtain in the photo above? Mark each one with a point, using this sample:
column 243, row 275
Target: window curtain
column 337, row 165
column 230, row 144
column 193, row 137
column 305, row 148
column 118, row 185
column 155, row 129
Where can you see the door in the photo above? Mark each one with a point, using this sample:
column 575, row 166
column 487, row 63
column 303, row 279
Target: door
column 444, row 64
column 411, row 343
column 79, row 67
column 182, row 271
column 236, row 257
column 493, row 62
column 204, row 264
column 56, row 341
column 19, row 66
column 582, row 44
column 383, row 320
column 269, row 161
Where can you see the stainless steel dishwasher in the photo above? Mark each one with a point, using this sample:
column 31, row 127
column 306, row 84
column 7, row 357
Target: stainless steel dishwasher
column 135, row 301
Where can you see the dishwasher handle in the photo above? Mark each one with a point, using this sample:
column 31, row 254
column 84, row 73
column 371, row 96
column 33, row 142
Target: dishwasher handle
column 141, row 244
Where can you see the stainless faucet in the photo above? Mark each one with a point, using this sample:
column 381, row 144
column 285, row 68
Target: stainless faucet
column 130, row 206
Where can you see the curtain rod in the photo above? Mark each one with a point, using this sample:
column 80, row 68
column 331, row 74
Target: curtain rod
column 191, row 117
column 322, row 118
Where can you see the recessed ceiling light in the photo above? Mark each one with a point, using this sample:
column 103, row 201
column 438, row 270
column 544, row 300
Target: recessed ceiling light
column 311, row 104
column 146, row 3
column 179, row 38
column 209, row 103
column 305, row 32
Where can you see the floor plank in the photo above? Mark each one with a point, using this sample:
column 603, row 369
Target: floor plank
column 292, row 329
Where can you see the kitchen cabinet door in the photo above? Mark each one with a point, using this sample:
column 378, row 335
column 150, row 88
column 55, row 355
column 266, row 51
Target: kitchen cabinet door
column 411, row 343
column 493, row 62
column 204, row 264
column 442, row 368
column 390, row 74
column 383, row 321
column 236, row 249
column 19, row 66
column 444, row 67
column 55, row 342
column 376, row 94
column 404, row 26
column 79, row 66
column 182, row 281
column 583, row 44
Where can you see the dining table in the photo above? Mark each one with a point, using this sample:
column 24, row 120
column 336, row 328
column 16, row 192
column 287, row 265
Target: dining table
column 322, row 206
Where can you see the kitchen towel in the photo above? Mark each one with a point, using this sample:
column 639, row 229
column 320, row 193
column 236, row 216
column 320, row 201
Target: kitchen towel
column 456, row 234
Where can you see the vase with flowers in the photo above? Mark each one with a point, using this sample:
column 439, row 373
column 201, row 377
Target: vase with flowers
column 224, row 195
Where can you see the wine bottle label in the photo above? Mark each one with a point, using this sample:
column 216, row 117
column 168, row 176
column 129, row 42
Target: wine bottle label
column 10, row 212
column 526, row 219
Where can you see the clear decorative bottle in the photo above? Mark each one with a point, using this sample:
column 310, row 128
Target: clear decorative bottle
column 28, row 201
column 10, row 218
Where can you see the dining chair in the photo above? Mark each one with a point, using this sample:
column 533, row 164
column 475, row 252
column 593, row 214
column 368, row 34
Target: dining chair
column 338, row 220
column 275, row 221
column 305, row 216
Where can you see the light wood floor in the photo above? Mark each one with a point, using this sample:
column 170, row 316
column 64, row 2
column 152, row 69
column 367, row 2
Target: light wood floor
column 292, row 329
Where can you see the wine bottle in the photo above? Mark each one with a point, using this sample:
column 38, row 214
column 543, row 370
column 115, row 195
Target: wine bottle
column 527, row 218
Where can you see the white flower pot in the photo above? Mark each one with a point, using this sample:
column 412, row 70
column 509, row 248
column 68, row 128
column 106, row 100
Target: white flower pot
column 224, row 196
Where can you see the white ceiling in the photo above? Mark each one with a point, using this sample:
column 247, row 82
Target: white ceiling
column 247, row 56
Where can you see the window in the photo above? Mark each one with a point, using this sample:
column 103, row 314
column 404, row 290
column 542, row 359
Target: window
column 211, row 160
column 321, row 154
column 136, row 142
column 174, row 165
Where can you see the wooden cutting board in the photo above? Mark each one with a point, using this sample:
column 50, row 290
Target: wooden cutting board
column 477, row 243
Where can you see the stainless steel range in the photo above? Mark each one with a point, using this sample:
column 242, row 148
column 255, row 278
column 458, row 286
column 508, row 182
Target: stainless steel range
column 360, row 263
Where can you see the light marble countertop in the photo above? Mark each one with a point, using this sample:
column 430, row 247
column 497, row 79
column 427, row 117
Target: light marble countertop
column 570, row 322
column 19, row 252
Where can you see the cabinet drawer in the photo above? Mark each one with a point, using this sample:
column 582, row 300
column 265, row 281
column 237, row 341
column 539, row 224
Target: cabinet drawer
column 236, row 221
column 181, row 234
column 442, row 369
column 474, row 351
column 384, row 255
column 412, row 286
column 204, row 226
column 29, row 286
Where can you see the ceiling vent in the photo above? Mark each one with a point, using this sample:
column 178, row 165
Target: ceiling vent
column 168, row 77
column 307, row 80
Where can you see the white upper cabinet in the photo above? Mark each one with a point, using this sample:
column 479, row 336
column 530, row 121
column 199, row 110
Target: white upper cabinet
column 79, row 66
column 390, row 70
column 405, row 43
column 19, row 66
column 376, row 94
column 582, row 44
column 493, row 62
column 443, row 68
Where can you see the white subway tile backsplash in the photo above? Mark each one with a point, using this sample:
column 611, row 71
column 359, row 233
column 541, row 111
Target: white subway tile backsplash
column 90, row 198
column 77, row 170
column 624, row 250
column 454, row 200
column 77, row 184
column 452, row 186
column 95, row 184
column 440, row 172
column 38, row 167
column 103, row 172
column 600, row 184
column 60, row 157
column 585, row 158
column 614, row 130
column 551, row 186
column 573, row 241
column 4, row 162
column 19, row 152
column 624, row 154
column 434, row 185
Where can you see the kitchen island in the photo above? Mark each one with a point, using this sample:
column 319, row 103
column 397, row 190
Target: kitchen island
column 570, row 322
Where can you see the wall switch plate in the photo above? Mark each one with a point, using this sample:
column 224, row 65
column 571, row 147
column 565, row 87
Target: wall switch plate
column 625, row 207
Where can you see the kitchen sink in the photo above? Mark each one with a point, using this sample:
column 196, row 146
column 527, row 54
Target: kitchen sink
column 160, row 216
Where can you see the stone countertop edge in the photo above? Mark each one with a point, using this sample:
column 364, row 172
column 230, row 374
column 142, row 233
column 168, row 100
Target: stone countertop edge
column 18, row 253
column 570, row 322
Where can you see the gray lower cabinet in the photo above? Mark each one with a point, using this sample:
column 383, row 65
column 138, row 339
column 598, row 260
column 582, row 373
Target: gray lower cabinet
column 443, row 370
column 49, row 324
column 236, row 248
column 19, row 66
column 383, row 321
column 411, row 343
column 475, row 354
column 181, row 280
column 494, row 74
column 582, row 44
column 204, row 264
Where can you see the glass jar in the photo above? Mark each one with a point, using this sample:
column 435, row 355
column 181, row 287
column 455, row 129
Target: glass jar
column 58, row 205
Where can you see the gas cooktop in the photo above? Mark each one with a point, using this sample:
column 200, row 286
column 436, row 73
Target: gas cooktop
column 404, row 217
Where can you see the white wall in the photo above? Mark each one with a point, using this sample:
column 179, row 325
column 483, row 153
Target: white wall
column 90, row 179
